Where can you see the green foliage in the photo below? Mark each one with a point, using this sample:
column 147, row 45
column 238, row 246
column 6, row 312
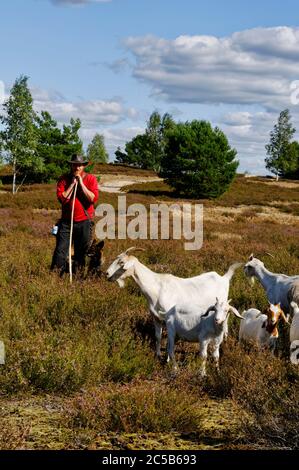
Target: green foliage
column 56, row 146
column 292, row 171
column 19, row 137
column 32, row 144
column 198, row 160
column 146, row 150
column 96, row 151
column 282, row 154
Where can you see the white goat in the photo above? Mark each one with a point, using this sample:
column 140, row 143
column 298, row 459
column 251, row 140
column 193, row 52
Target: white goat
column 206, row 329
column 279, row 288
column 261, row 328
column 165, row 291
column 294, row 334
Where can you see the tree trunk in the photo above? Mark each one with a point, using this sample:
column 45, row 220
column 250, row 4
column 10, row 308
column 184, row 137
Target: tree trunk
column 14, row 176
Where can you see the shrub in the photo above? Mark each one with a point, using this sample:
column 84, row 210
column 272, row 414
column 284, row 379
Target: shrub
column 198, row 160
column 264, row 386
column 136, row 407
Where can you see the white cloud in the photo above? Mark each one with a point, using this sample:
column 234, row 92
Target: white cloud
column 249, row 132
column 119, row 65
column 250, row 67
column 91, row 112
column 114, row 137
column 97, row 116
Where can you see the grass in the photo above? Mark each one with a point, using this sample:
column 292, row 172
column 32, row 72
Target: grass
column 91, row 344
column 143, row 406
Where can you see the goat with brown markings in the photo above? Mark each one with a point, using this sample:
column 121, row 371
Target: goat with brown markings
column 261, row 328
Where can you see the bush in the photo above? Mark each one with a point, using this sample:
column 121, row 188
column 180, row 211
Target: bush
column 266, row 388
column 198, row 160
column 136, row 407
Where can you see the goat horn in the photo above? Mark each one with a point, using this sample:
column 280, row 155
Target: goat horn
column 235, row 311
column 133, row 248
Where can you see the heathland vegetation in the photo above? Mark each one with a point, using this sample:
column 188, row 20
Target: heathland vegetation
column 80, row 368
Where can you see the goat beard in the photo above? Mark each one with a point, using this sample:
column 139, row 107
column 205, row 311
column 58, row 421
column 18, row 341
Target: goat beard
column 120, row 282
column 252, row 280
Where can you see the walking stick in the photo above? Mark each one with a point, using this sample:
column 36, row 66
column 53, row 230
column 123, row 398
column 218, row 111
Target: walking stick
column 71, row 234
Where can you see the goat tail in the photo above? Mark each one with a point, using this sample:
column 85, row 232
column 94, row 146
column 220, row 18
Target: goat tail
column 231, row 270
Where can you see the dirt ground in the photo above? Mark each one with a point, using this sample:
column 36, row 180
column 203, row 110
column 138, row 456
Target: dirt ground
column 114, row 183
column 38, row 423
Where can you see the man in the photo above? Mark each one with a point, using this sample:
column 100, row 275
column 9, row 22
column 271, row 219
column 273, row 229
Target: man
column 86, row 196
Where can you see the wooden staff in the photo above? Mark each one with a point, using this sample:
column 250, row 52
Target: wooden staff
column 71, row 233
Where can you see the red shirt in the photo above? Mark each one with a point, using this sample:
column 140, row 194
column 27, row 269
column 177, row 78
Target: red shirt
column 81, row 201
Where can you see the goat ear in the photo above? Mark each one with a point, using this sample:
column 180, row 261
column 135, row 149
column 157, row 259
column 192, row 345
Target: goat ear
column 235, row 312
column 251, row 257
column 128, row 264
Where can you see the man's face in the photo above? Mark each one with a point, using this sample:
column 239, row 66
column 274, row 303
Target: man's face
column 77, row 169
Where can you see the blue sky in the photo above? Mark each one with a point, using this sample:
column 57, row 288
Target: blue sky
column 111, row 63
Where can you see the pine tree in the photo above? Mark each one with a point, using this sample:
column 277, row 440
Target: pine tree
column 198, row 161
column 281, row 158
column 19, row 137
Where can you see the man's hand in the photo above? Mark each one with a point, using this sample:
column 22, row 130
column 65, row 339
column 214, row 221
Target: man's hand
column 87, row 193
column 67, row 193
column 79, row 179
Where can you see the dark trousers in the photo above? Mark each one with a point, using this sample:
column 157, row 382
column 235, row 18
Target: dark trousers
column 81, row 241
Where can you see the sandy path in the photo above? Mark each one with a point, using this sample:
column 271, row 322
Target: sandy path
column 114, row 183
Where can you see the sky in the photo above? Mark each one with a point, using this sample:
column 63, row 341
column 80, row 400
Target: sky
column 113, row 62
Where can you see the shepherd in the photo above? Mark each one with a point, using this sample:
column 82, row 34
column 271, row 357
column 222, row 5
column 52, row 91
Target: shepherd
column 77, row 192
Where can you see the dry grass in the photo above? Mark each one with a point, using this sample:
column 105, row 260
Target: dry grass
column 137, row 407
column 265, row 387
column 94, row 340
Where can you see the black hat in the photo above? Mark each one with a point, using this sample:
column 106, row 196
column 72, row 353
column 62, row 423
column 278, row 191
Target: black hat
column 79, row 159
